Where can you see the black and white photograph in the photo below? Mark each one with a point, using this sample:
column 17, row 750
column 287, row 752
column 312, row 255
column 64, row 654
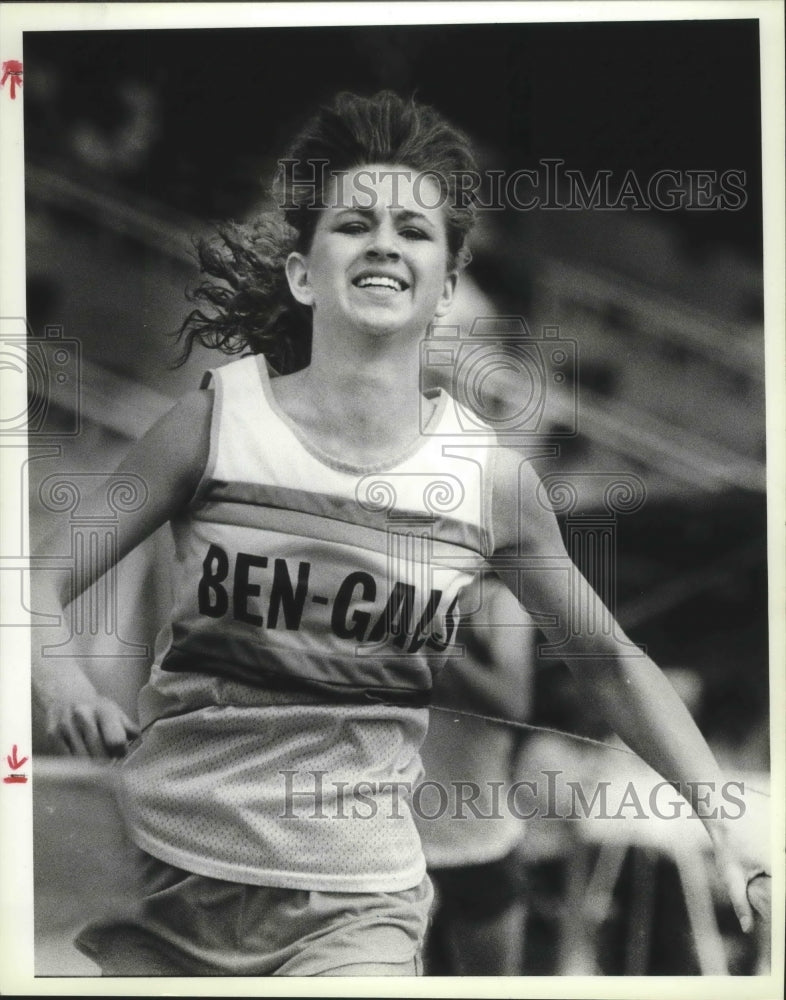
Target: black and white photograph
column 393, row 499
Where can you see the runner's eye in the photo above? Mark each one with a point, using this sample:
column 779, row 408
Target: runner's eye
column 353, row 228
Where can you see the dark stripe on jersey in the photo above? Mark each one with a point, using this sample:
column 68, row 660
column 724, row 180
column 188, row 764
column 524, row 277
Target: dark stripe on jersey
column 197, row 654
column 296, row 524
column 347, row 512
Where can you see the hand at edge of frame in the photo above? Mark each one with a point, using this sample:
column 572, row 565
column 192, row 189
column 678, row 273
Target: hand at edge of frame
column 78, row 720
column 99, row 728
column 747, row 882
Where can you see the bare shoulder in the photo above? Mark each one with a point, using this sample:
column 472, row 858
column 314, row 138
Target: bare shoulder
column 188, row 421
column 177, row 446
column 522, row 516
column 168, row 461
column 194, row 409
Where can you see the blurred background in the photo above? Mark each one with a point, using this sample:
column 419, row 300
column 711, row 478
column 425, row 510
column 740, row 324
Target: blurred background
column 136, row 141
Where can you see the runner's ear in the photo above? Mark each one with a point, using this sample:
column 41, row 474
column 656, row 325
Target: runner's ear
column 448, row 291
column 298, row 278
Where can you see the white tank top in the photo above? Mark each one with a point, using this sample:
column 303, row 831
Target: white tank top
column 314, row 603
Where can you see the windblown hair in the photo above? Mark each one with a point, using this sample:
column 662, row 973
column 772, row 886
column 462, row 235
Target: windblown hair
column 246, row 290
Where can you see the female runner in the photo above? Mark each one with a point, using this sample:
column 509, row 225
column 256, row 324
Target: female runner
column 326, row 522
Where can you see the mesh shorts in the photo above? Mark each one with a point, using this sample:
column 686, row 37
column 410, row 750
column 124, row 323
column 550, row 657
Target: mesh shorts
column 190, row 925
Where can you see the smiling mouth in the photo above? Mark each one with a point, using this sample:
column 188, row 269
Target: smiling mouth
column 380, row 281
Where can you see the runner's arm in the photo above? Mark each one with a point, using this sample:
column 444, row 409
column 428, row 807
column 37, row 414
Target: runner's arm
column 626, row 686
column 169, row 461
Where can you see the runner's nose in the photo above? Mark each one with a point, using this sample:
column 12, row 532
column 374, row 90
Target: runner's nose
column 383, row 243
column 378, row 251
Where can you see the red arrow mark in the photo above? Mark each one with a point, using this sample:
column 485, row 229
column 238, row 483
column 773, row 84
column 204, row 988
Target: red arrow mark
column 13, row 761
column 12, row 70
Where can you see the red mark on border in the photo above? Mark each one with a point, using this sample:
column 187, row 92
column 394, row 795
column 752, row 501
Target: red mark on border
column 15, row 763
column 12, row 70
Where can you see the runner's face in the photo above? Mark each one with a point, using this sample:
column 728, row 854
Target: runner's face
column 378, row 259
